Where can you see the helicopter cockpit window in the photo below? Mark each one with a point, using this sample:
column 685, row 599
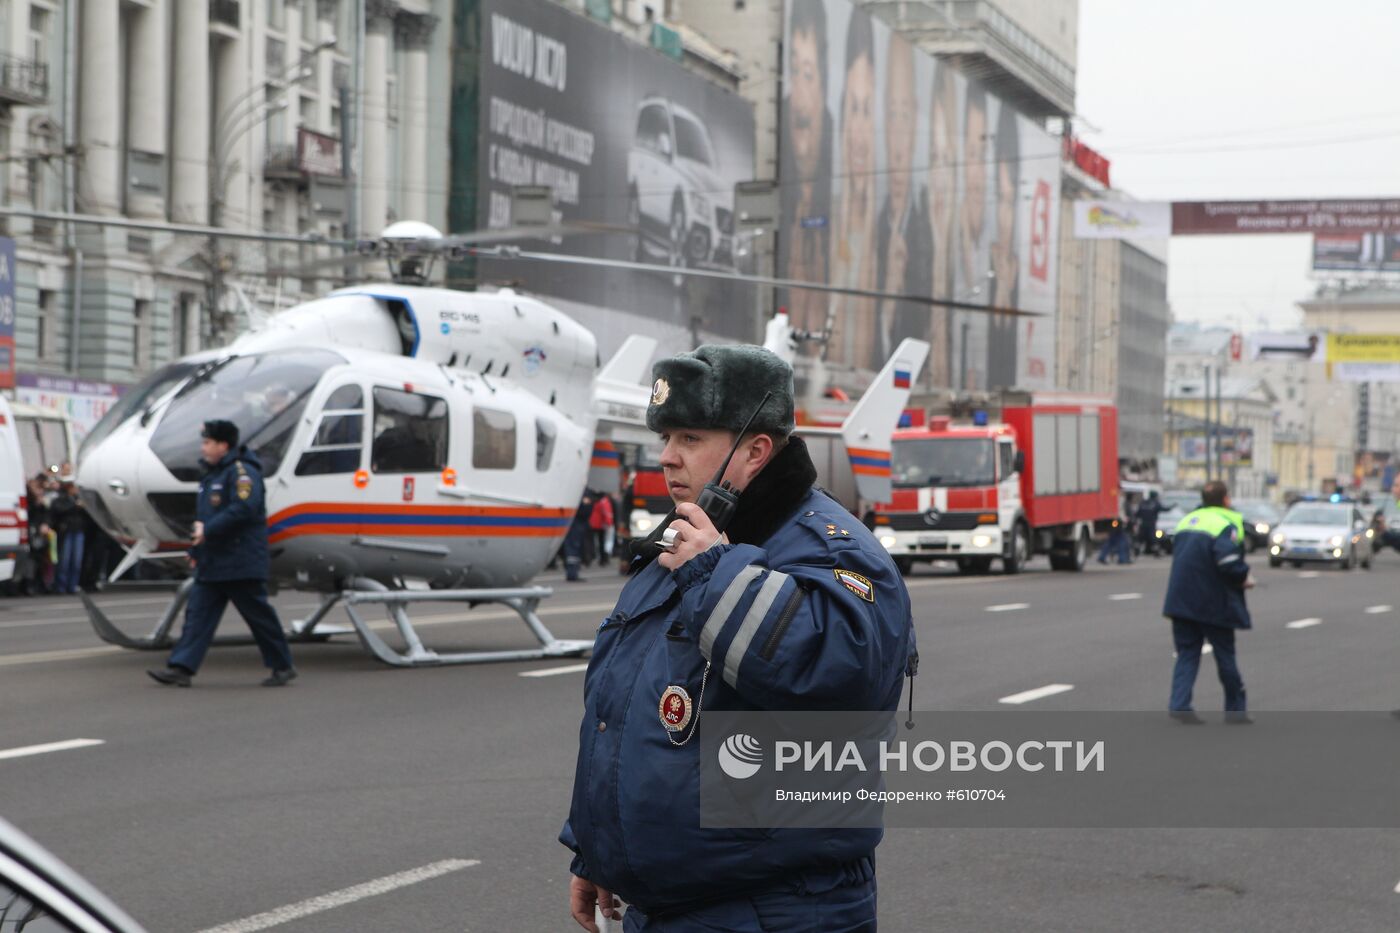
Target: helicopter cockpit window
column 263, row 394
column 493, row 439
column 545, row 434
column 339, row 437
column 410, row 432
column 134, row 399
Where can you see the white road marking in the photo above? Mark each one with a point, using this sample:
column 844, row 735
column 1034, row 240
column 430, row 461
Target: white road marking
column 1124, row 597
column 1205, row 650
column 1039, row 693
column 64, row 654
column 1304, row 623
column 1307, row 574
column 552, row 671
column 1008, row 607
column 1397, row 887
column 1378, row 610
column 359, row 892
column 44, row 749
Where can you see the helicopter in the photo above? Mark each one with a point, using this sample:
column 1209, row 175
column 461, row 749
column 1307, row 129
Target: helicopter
column 419, row 444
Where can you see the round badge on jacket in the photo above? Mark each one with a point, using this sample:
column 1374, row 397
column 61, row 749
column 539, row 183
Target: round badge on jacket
column 674, row 708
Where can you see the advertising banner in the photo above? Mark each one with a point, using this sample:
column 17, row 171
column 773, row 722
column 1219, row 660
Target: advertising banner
column 83, row 402
column 899, row 174
column 622, row 135
column 1298, row 347
column 1364, row 357
column 1356, row 252
column 1097, row 219
column 1235, row 447
column 7, row 312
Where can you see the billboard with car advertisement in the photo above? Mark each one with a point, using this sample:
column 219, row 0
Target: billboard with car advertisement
column 622, row 135
column 898, row 173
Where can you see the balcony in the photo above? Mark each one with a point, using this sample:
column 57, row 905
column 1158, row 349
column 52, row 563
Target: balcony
column 978, row 37
column 23, row 81
column 282, row 162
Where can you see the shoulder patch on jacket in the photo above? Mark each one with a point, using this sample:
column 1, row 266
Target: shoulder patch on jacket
column 244, row 486
column 856, row 583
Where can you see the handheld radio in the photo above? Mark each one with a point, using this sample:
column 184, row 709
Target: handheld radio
column 719, row 500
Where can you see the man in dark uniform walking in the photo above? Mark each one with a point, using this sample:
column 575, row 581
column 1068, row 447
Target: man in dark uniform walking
column 790, row 605
column 1205, row 600
column 230, row 561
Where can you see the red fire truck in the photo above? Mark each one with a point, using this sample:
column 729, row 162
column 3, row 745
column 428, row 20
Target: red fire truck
column 1002, row 477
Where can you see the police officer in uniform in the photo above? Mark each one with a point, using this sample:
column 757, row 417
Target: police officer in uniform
column 1205, row 601
column 230, row 561
column 793, row 606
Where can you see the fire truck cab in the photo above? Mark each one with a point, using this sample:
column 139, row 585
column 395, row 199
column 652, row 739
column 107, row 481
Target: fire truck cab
column 1002, row 477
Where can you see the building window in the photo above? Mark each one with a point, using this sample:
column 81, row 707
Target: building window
column 48, row 322
column 39, row 22
column 187, row 326
column 545, row 435
column 141, row 334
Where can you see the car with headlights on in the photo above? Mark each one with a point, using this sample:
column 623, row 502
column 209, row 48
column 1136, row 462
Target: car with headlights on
column 1260, row 518
column 1176, row 505
column 1325, row 532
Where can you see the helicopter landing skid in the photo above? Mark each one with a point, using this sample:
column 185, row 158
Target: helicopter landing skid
column 524, row 600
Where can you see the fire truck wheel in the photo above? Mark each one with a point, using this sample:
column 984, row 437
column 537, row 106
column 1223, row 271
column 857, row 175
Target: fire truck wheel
column 1020, row 552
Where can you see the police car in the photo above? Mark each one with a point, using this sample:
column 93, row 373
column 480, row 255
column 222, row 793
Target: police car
column 1328, row 532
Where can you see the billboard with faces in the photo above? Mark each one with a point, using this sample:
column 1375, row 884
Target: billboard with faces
column 899, row 174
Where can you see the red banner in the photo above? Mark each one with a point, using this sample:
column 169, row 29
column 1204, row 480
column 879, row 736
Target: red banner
column 1321, row 216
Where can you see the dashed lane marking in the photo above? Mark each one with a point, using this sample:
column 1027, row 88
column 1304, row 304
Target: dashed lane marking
column 1039, row 693
column 359, row 892
column 1378, row 610
column 1303, row 623
column 1008, row 607
column 1124, row 597
column 552, row 671
column 1308, row 574
column 44, row 749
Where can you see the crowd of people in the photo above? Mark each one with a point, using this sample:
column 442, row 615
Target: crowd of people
column 592, row 536
column 67, row 551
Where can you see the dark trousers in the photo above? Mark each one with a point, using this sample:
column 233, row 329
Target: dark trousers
column 1189, row 636
column 70, row 561
column 848, row 909
column 1119, row 541
column 206, row 607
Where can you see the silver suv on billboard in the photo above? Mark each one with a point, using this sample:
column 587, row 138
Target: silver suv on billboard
column 677, row 199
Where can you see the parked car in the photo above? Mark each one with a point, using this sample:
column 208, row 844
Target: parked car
column 40, row 894
column 1331, row 532
column 677, row 198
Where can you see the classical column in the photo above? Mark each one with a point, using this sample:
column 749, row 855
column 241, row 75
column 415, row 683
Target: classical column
column 147, row 67
column 230, row 158
column 374, row 160
column 415, row 32
column 292, row 31
column 189, row 146
column 100, row 108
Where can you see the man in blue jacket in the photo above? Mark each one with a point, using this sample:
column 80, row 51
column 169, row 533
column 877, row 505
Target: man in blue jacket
column 230, row 561
column 1205, row 600
column 792, row 606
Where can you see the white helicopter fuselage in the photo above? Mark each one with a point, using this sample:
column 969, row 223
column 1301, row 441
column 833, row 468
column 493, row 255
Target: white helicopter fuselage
column 447, row 440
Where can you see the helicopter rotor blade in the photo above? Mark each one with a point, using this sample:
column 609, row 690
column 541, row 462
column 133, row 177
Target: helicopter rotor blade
column 513, row 253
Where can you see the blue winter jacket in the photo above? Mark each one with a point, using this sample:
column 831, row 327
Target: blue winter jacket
column 1209, row 570
column 812, row 616
column 232, row 507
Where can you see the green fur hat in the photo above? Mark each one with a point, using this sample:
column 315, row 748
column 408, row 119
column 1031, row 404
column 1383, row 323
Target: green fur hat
column 719, row 387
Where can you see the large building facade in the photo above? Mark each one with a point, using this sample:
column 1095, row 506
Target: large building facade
column 207, row 112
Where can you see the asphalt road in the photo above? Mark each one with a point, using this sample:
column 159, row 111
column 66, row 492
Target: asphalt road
column 434, row 796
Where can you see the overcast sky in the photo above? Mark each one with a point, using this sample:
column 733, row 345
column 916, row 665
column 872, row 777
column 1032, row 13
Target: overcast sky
column 1216, row 99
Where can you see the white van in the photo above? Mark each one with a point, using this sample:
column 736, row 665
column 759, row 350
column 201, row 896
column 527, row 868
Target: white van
column 14, row 518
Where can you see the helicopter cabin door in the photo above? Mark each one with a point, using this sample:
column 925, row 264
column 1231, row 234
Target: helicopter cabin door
column 326, row 485
column 410, row 431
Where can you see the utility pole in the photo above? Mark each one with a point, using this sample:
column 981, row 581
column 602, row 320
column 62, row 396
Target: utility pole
column 1209, row 433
